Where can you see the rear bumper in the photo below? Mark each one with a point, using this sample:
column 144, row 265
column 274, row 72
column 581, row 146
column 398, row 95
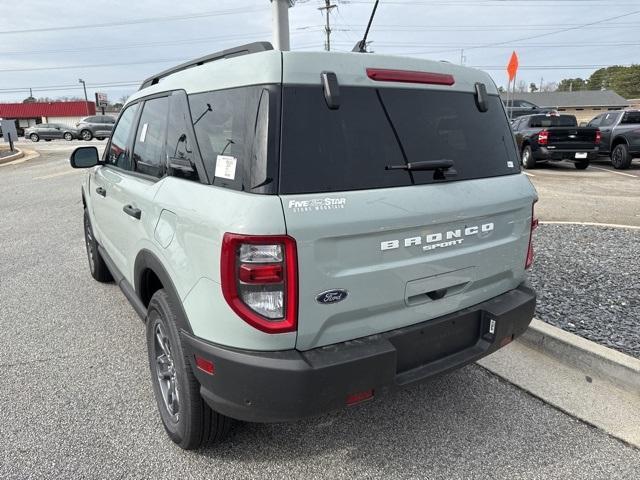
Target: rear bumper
column 544, row 153
column 288, row 385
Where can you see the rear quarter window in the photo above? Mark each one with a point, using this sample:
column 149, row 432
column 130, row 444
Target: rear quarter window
column 238, row 127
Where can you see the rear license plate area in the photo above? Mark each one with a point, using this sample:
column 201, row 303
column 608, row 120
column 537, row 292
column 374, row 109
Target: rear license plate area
column 436, row 340
column 581, row 155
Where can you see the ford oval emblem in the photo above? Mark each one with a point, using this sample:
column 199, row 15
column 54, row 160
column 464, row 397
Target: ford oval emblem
column 331, row 296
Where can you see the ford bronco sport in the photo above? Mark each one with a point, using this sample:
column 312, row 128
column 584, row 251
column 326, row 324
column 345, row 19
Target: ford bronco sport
column 305, row 231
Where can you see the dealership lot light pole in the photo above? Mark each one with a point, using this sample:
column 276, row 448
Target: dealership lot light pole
column 86, row 99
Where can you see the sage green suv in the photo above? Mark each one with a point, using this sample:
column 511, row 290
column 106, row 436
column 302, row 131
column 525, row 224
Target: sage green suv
column 305, row 231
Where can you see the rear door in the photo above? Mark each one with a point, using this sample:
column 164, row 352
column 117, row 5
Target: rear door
column 607, row 124
column 404, row 247
column 132, row 190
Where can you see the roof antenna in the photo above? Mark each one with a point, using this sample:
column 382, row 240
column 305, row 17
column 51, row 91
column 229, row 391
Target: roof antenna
column 361, row 46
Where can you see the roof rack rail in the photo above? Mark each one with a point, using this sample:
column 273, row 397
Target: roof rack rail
column 231, row 52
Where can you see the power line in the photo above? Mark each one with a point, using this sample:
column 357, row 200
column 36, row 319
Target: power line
column 171, row 18
column 95, row 65
column 555, row 32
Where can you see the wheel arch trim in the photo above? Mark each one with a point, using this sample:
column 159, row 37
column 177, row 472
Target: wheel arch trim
column 147, row 260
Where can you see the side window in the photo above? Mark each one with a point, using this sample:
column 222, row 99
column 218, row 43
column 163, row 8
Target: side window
column 148, row 149
column 596, row 121
column 631, row 118
column 608, row 119
column 224, row 123
column 118, row 155
column 180, row 145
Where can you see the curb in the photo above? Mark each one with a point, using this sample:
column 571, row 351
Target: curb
column 11, row 158
column 589, row 357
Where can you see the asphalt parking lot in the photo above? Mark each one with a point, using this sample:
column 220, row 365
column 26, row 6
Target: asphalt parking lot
column 76, row 400
column 600, row 194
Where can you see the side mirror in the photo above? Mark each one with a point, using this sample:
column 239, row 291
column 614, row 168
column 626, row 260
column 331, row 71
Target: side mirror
column 84, row 157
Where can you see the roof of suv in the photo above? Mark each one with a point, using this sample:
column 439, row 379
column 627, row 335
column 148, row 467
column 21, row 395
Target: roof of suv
column 273, row 66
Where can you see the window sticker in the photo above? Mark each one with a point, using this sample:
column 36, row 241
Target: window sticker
column 143, row 134
column 226, row 167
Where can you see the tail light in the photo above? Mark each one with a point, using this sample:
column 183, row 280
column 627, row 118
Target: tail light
column 543, row 137
column 598, row 137
column 407, row 76
column 534, row 225
column 259, row 276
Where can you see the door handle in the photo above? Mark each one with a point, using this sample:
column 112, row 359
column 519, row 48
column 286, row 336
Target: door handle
column 133, row 212
column 101, row 191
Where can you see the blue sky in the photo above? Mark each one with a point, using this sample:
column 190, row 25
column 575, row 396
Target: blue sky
column 114, row 58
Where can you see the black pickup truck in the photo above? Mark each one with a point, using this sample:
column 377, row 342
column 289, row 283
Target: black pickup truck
column 549, row 137
column 620, row 136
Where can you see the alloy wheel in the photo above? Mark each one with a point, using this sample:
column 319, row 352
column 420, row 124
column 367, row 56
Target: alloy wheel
column 166, row 373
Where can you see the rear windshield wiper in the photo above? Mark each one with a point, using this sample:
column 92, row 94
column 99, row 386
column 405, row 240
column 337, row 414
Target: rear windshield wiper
column 422, row 166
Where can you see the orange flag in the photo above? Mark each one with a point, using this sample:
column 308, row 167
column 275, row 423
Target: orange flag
column 512, row 68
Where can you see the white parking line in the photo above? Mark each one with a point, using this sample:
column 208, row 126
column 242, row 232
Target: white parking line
column 529, row 174
column 613, row 171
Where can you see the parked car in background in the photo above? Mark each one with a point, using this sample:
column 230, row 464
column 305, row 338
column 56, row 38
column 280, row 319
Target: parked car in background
column 98, row 126
column 543, row 138
column 620, row 136
column 50, row 131
column 518, row 108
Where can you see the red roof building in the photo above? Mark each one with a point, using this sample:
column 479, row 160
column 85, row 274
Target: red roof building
column 47, row 109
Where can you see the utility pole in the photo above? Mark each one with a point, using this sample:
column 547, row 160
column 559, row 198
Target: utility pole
column 462, row 57
column 86, row 99
column 280, row 23
column 327, row 28
column 541, row 80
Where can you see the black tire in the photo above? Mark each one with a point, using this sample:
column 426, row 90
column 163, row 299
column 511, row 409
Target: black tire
column 100, row 138
column 186, row 418
column 34, row 137
column 620, row 157
column 582, row 165
column 528, row 162
column 47, row 139
column 68, row 136
column 86, row 135
column 97, row 267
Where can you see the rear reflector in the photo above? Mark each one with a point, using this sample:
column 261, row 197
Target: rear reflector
column 407, row 76
column 359, row 397
column 598, row 137
column 205, row 365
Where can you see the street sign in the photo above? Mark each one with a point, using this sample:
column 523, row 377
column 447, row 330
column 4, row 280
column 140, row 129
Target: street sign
column 9, row 132
column 512, row 67
column 101, row 99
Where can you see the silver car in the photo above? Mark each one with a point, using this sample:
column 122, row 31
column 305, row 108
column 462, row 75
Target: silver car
column 98, row 126
column 50, row 131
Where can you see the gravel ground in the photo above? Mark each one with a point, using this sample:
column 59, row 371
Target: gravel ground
column 588, row 283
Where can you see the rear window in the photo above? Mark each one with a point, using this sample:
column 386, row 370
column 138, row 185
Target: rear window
column 325, row 150
column 542, row 121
